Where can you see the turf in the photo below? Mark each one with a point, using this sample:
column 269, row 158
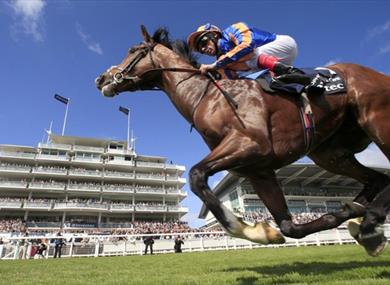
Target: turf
column 336, row 265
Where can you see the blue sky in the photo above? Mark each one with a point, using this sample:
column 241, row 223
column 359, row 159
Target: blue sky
column 50, row 47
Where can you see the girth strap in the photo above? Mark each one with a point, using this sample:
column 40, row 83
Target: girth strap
column 307, row 118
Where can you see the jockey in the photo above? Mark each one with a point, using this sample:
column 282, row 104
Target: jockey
column 245, row 50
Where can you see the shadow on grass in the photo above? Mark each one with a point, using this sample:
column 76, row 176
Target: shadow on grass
column 307, row 269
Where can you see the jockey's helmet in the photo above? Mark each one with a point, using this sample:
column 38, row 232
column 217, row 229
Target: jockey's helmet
column 204, row 30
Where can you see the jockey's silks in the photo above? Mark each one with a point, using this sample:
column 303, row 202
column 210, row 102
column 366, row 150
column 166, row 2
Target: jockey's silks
column 237, row 42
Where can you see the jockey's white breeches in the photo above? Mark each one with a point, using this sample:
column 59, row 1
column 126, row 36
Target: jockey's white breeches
column 283, row 47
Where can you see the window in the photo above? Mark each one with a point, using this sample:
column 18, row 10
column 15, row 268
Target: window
column 233, row 197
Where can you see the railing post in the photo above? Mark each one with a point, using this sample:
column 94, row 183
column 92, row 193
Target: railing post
column 16, row 252
column 96, row 248
column 338, row 236
column 317, row 239
column 226, row 242
column 71, row 247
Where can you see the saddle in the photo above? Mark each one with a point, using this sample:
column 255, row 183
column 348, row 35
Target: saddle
column 311, row 81
column 318, row 81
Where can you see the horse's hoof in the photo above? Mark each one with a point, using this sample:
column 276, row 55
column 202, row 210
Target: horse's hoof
column 354, row 229
column 274, row 236
column 374, row 243
column 263, row 233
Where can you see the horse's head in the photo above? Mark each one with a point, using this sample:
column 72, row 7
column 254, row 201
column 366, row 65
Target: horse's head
column 129, row 74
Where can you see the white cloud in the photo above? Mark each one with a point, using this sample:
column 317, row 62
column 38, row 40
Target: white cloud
column 379, row 30
column 91, row 45
column 373, row 156
column 385, row 49
column 28, row 17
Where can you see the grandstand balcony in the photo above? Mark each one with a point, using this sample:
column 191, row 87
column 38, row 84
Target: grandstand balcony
column 121, row 208
column 179, row 168
column 51, row 157
column 118, row 175
column 116, row 225
column 17, row 155
column 121, row 151
column 177, row 209
column 37, row 205
column 32, row 224
column 4, row 184
column 50, row 171
column 47, row 186
column 86, row 160
column 117, row 189
column 149, row 177
column 55, row 146
column 14, row 169
column 150, row 166
column 176, row 192
column 150, row 208
column 83, row 188
column 92, row 149
column 176, row 179
column 150, row 190
column 17, row 204
column 85, row 173
column 120, row 162
column 80, row 206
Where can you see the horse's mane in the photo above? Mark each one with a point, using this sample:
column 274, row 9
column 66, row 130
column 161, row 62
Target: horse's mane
column 161, row 36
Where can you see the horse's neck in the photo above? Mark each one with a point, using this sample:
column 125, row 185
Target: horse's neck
column 183, row 88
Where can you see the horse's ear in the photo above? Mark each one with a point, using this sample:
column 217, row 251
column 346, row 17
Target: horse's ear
column 145, row 34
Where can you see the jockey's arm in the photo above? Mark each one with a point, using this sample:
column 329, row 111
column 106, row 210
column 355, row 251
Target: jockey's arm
column 242, row 37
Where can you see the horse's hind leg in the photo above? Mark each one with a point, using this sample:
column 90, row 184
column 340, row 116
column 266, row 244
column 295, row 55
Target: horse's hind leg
column 373, row 115
column 376, row 190
column 271, row 194
column 335, row 158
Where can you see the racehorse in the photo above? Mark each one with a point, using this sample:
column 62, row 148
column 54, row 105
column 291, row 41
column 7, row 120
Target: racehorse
column 265, row 133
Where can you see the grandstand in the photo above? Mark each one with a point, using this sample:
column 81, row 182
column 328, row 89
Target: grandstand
column 309, row 190
column 77, row 183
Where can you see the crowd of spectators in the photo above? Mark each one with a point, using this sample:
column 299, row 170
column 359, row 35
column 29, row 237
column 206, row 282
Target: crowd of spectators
column 8, row 225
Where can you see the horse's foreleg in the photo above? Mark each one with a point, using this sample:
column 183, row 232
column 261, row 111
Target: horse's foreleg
column 232, row 152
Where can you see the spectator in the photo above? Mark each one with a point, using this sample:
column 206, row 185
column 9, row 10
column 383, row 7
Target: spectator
column 42, row 247
column 58, row 243
column 1, row 247
column 178, row 243
column 148, row 241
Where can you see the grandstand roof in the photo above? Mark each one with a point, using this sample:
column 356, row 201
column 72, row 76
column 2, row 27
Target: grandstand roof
column 306, row 175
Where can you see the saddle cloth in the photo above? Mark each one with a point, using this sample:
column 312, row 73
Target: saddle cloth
column 323, row 80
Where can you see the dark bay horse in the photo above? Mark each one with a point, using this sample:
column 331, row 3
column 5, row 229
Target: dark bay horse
column 265, row 133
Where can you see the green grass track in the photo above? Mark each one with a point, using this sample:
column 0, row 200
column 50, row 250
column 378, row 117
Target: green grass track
column 336, row 265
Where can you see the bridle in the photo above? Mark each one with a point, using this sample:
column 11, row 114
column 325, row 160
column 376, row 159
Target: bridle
column 122, row 74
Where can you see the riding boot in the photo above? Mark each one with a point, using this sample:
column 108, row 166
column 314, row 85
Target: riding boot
column 290, row 74
column 285, row 73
